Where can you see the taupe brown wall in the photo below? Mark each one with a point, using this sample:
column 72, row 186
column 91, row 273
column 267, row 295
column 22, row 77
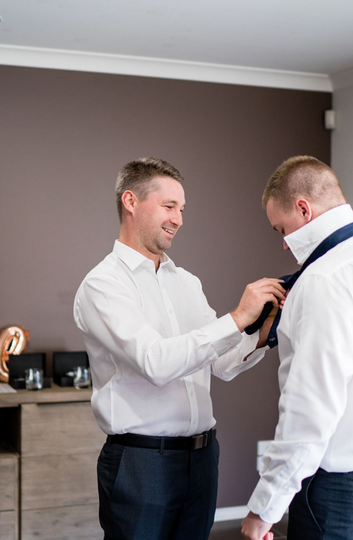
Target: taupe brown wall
column 342, row 139
column 63, row 138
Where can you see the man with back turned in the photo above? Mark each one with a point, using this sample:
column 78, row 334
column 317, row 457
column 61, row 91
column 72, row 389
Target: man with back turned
column 153, row 342
column 309, row 465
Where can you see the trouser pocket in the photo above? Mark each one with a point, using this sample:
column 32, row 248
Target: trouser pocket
column 314, row 502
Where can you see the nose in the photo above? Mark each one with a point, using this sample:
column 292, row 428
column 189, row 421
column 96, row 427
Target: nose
column 177, row 218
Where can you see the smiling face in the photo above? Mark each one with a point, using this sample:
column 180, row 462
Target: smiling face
column 157, row 218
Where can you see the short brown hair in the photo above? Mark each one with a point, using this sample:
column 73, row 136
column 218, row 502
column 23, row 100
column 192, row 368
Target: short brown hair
column 138, row 176
column 303, row 176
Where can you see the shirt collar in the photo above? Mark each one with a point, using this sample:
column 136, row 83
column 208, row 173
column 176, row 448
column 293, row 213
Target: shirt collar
column 133, row 259
column 303, row 241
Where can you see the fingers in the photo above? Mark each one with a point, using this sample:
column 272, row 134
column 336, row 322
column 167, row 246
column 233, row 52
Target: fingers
column 268, row 286
column 254, row 298
column 268, row 290
column 268, row 536
column 253, row 528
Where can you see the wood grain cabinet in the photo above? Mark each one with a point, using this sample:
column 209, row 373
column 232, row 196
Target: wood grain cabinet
column 59, row 444
column 8, row 495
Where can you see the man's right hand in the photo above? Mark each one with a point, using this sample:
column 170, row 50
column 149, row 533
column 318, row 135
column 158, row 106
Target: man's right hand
column 253, row 528
column 254, row 298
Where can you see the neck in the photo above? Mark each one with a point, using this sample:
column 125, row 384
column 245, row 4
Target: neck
column 131, row 243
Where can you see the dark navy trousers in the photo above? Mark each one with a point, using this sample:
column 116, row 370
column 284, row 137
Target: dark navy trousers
column 323, row 509
column 146, row 494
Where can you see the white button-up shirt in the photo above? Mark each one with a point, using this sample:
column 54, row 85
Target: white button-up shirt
column 315, row 427
column 153, row 342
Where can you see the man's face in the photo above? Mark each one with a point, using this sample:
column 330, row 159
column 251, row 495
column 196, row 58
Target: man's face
column 159, row 217
column 285, row 221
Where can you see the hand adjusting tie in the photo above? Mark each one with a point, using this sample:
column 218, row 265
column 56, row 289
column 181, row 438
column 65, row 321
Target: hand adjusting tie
column 338, row 236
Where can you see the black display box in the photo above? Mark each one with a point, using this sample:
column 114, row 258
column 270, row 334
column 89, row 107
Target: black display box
column 64, row 362
column 18, row 363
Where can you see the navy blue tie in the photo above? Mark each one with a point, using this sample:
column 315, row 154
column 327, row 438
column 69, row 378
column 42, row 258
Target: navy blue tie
column 288, row 281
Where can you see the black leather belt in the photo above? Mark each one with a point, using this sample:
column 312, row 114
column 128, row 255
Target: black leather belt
column 164, row 443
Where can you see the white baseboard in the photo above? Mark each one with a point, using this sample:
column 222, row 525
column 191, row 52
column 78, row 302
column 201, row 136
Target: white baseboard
column 231, row 512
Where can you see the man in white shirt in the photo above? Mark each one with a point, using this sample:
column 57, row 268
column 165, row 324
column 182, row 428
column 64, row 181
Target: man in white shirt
column 310, row 462
column 153, row 342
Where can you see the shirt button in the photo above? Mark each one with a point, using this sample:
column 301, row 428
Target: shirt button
column 171, row 311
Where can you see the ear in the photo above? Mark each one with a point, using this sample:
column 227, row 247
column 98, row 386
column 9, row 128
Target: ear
column 128, row 200
column 303, row 206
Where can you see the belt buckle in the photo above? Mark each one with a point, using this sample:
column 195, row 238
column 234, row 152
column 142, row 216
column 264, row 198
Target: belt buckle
column 200, row 441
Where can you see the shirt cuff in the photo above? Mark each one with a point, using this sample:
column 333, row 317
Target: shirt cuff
column 264, row 504
column 249, row 344
column 223, row 334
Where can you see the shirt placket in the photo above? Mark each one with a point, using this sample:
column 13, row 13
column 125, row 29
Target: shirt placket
column 188, row 381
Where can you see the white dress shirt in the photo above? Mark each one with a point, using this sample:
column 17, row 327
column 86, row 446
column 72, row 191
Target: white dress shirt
column 153, row 342
column 315, row 334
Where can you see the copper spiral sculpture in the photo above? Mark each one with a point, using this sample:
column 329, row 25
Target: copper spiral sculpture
column 13, row 340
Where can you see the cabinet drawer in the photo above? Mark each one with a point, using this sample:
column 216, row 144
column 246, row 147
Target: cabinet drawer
column 8, row 526
column 73, row 523
column 60, row 428
column 8, row 482
column 54, row 481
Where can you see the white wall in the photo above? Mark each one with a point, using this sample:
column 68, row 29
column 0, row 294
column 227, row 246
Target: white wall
column 342, row 140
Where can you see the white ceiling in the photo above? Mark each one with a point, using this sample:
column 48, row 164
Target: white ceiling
column 311, row 38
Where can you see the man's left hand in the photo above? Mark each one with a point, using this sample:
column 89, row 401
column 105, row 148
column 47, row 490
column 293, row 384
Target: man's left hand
column 253, row 528
column 266, row 327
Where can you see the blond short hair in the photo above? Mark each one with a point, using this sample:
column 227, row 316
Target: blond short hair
column 307, row 177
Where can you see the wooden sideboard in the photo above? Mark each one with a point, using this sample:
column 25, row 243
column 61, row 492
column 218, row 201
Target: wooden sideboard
column 49, row 445
column 8, row 494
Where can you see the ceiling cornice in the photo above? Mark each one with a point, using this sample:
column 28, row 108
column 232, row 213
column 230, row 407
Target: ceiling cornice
column 342, row 79
column 161, row 68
